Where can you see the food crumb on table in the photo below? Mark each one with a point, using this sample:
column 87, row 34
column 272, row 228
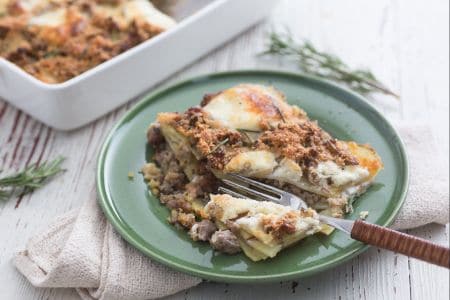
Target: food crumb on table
column 363, row 215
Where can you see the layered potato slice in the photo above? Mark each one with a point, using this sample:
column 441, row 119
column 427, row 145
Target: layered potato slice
column 262, row 228
column 251, row 130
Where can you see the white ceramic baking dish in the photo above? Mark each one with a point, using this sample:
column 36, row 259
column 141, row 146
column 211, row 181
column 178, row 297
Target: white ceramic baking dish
column 82, row 99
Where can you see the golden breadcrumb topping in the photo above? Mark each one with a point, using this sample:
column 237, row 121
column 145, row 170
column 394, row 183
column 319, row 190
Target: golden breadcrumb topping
column 301, row 140
column 305, row 143
column 279, row 227
column 212, row 142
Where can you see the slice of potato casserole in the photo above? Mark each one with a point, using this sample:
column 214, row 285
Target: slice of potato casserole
column 251, row 130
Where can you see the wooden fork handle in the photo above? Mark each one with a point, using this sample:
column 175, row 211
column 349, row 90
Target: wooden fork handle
column 400, row 242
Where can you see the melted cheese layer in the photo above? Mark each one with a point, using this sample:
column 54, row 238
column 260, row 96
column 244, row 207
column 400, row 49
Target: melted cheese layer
column 125, row 12
column 252, row 163
column 249, row 107
column 53, row 18
column 341, row 176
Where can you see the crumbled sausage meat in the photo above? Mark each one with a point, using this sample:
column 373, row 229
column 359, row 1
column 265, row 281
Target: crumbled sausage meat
column 181, row 218
column 154, row 135
column 173, row 181
column 225, row 241
column 202, row 231
column 176, row 201
column 201, row 186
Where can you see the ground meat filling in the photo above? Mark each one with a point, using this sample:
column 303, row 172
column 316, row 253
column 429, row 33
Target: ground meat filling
column 225, row 241
column 167, row 180
column 201, row 186
column 154, row 136
column 203, row 230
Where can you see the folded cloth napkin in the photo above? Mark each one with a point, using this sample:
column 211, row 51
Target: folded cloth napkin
column 83, row 251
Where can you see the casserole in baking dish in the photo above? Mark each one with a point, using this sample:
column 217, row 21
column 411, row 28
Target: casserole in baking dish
column 57, row 40
column 100, row 89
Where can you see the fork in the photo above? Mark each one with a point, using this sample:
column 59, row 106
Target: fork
column 359, row 230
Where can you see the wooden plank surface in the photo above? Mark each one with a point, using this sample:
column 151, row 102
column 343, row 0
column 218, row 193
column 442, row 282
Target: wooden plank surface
column 406, row 43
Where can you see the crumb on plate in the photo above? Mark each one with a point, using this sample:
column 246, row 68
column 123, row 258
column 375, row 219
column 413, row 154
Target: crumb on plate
column 363, row 215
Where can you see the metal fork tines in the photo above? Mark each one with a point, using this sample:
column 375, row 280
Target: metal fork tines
column 243, row 186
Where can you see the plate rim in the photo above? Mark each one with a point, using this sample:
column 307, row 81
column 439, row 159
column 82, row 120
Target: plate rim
column 110, row 214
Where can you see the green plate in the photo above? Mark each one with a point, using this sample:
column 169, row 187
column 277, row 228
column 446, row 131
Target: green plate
column 141, row 219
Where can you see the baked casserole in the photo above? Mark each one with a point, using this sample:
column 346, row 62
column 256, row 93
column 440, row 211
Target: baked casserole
column 252, row 131
column 56, row 40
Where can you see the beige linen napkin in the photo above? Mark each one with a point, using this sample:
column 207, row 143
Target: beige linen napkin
column 83, row 251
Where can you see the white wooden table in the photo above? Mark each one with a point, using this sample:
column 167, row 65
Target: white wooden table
column 404, row 42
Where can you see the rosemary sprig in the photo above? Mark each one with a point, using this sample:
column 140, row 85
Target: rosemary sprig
column 220, row 144
column 30, row 178
column 321, row 64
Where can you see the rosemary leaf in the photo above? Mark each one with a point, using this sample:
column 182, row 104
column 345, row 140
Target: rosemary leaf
column 325, row 65
column 249, row 134
column 220, row 144
column 248, row 130
column 246, row 135
column 30, row 178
